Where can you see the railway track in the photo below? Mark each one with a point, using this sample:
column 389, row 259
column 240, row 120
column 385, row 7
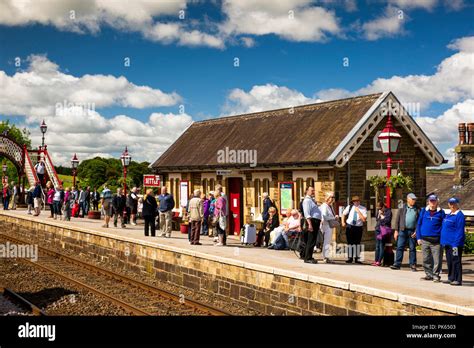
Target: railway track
column 21, row 301
column 134, row 296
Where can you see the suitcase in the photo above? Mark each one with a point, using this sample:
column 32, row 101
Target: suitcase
column 388, row 256
column 248, row 234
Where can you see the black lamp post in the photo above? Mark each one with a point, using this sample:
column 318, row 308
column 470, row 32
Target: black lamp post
column 74, row 165
column 43, row 128
column 126, row 159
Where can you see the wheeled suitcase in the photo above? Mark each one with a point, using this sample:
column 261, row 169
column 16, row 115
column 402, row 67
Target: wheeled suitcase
column 248, row 234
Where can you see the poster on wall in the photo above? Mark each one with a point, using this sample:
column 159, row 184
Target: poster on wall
column 183, row 193
column 286, row 196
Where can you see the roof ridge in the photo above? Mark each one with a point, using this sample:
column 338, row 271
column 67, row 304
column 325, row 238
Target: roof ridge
column 256, row 113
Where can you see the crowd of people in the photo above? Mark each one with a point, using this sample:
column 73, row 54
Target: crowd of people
column 430, row 227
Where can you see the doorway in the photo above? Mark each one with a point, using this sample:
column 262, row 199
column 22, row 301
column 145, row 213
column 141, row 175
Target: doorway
column 235, row 205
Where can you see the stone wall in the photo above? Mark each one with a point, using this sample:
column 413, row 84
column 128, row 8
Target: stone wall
column 266, row 290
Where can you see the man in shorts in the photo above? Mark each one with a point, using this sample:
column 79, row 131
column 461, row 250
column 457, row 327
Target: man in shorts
column 106, row 200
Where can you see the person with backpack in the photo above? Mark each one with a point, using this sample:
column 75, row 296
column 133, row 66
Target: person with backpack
column 353, row 218
column 313, row 217
column 428, row 233
column 452, row 239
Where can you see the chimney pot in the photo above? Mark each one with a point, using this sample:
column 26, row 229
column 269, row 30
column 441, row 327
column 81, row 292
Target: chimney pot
column 470, row 133
column 462, row 133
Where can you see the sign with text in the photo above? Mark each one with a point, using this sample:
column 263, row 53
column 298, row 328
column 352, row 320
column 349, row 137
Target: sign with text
column 151, row 181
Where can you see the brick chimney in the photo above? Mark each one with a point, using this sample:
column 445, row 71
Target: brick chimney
column 464, row 163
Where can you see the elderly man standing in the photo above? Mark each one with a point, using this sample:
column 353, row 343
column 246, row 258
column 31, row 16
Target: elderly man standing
column 313, row 217
column 166, row 212
column 354, row 216
column 196, row 215
column 405, row 232
column 428, row 232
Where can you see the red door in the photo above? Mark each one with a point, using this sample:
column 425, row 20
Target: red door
column 235, row 205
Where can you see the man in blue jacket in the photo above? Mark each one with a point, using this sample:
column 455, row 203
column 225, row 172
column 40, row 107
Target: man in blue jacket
column 452, row 238
column 428, row 233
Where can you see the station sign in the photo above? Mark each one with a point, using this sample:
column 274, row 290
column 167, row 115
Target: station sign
column 223, row 172
column 151, row 180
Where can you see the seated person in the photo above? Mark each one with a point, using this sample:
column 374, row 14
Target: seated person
column 291, row 225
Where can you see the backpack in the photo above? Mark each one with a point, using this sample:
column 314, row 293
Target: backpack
column 279, row 243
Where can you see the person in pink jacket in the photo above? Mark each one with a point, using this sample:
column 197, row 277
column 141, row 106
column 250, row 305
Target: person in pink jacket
column 49, row 197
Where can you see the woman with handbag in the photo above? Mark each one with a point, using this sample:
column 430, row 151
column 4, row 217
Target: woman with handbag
column 329, row 221
column 383, row 231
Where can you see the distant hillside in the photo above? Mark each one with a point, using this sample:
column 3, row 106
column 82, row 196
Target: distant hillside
column 442, row 184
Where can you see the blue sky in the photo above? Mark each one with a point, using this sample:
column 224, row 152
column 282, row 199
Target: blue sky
column 277, row 67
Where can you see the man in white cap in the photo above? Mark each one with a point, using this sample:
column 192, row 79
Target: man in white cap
column 405, row 232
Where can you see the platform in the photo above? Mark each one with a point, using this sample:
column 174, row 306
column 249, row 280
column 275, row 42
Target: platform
column 403, row 288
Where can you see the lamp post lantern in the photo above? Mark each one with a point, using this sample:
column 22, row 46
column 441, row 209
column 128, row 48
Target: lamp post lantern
column 389, row 142
column 126, row 159
column 43, row 128
column 74, row 165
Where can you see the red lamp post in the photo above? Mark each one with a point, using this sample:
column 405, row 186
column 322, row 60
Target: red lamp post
column 74, row 165
column 126, row 159
column 389, row 141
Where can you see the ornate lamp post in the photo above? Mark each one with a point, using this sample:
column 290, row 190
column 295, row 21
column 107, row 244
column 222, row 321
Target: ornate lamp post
column 389, row 141
column 126, row 159
column 43, row 128
column 74, row 165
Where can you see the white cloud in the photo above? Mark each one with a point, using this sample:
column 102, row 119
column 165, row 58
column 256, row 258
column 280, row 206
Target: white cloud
column 91, row 134
column 89, row 16
column 411, row 4
column 263, row 97
column 295, row 20
column 444, row 128
column 453, row 80
column 70, row 104
column 387, row 25
column 39, row 89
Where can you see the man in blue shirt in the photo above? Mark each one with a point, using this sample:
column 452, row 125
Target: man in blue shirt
column 452, row 238
column 428, row 232
column 166, row 202
column 312, row 214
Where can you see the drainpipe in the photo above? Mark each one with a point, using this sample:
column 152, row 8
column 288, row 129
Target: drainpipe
column 348, row 182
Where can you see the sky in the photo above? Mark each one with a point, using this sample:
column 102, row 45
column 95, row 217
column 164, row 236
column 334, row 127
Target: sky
column 105, row 74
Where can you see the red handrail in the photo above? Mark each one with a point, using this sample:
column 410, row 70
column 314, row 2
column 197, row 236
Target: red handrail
column 27, row 155
column 52, row 166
